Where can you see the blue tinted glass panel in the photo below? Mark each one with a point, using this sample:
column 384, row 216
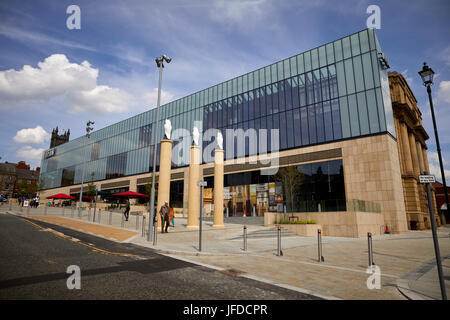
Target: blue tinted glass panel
column 281, row 96
column 300, row 64
column 288, row 93
column 350, row 81
column 330, row 53
column 314, row 59
column 302, row 90
column 307, row 58
column 367, row 67
column 373, row 111
column 328, row 121
column 355, row 44
column 363, row 115
column 275, row 107
column 322, row 56
column 338, row 50
column 346, row 49
column 294, row 92
column 319, row 123
column 359, row 78
column 312, row 124
column 337, row 132
column 290, row 129
column 309, row 88
column 353, row 114
column 341, row 79
column 269, row 99
column 283, row 137
column 297, row 128
column 364, row 41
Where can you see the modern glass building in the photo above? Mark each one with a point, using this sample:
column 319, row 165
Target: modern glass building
column 321, row 101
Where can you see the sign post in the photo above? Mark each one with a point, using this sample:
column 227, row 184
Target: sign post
column 427, row 179
column 201, row 184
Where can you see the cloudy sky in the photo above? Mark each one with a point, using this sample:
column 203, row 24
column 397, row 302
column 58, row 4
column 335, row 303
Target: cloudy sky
column 53, row 76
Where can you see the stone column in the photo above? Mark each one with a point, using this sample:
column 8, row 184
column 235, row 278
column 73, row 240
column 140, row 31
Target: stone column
column 133, row 187
column 420, row 156
column 164, row 174
column 218, row 188
column 405, row 149
column 425, row 160
column 414, row 157
column 194, row 189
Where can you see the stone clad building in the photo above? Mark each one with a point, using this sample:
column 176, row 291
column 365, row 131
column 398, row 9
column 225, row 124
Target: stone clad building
column 411, row 141
column 324, row 116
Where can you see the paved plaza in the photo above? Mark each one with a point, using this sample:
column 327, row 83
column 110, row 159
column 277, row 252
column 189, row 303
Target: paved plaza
column 406, row 261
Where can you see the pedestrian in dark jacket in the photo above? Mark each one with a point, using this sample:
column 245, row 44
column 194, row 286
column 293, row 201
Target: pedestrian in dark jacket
column 126, row 212
column 165, row 216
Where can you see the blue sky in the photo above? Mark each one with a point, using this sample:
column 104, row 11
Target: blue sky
column 106, row 72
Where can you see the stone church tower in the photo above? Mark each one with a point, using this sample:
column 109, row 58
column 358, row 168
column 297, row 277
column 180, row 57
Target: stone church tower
column 58, row 139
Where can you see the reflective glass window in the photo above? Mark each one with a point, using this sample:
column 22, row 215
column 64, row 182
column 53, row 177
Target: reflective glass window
column 367, row 67
column 338, row 50
column 304, row 122
column 281, row 96
column 325, row 88
column 256, row 103
column 332, row 81
column 307, row 58
column 280, row 69
column 288, row 93
column 316, row 83
column 346, row 48
column 293, row 64
column 354, row 39
column 235, row 110
column 322, row 57
column 359, row 78
column 337, row 132
column 314, row 59
column 251, row 105
column 245, row 106
column 364, row 41
column 230, row 111
column 294, row 92
column 309, row 88
column 297, row 128
column 363, row 116
column 269, row 99
column 262, row 102
column 300, row 64
column 312, row 124
column 330, row 53
column 353, row 114
column 275, row 100
column 319, row 123
column 328, row 121
column 350, row 80
column 302, row 90
column 290, row 129
column 373, row 111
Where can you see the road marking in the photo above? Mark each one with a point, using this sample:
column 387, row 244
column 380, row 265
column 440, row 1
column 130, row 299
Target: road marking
column 78, row 241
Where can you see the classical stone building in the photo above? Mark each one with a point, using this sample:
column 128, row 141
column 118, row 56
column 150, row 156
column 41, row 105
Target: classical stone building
column 12, row 175
column 411, row 141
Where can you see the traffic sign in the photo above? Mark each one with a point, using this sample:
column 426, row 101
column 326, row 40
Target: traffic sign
column 428, row 178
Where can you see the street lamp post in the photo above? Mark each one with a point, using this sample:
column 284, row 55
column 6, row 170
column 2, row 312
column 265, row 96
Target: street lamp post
column 427, row 77
column 151, row 205
column 88, row 135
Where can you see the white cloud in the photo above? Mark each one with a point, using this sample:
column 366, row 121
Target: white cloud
column 32, row 135
column 30, row 154
column 444, row 91
column 151, row 98
column 100, row 100
column 435, row 169
column 55, row 77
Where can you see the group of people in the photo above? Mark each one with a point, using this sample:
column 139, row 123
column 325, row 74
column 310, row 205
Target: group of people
column 165, row 212
column 34, row 203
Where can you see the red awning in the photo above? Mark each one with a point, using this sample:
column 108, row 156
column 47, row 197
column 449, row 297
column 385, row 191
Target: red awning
column 130, row 194
column 60, row 196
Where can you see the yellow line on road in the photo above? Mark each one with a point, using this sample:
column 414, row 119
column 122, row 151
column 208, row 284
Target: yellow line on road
column 94, row 248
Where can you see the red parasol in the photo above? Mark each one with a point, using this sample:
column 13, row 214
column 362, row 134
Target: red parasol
column 60, row 196
column 130, row 194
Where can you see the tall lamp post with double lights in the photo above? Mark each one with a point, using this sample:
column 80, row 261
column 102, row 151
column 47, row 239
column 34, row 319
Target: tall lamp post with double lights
column 151, row 206
column 88, row 135
column 427, row 77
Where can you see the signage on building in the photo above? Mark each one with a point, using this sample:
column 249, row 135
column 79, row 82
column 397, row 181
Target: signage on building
column 49, row 153
column 428, row 178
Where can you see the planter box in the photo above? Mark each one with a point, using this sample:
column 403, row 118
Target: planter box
column 305, row 230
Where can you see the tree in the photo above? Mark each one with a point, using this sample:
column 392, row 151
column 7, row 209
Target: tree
column 291, row 178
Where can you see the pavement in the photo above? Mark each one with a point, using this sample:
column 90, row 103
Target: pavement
column 406, row 261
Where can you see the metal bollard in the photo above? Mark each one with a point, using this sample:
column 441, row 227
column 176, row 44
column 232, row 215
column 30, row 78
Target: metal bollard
column 254, row 211
column 110, row 217
column 279, row 251
column 89, row 214
column 245, row 238
column 228, row 214
column 99, row 216
column 319, row 244
column 143, row 225
column 370, row 249
column 137, row 220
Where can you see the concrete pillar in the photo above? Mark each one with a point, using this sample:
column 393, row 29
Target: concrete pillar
column 218, row 188
column 414, row 157
column 194, row 189
column 405, row 149
column 133, row 187
column 420, row 156
column 425, row 160
column 164, row 173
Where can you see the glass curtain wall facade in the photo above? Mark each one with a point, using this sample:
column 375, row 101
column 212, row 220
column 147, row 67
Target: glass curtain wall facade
column 336, row 91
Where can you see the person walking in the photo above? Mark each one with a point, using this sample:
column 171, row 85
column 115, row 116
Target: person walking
column 165, row 216
column 126, row 212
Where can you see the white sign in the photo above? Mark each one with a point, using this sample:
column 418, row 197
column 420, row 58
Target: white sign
column 49, row 153
column 429, row 178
